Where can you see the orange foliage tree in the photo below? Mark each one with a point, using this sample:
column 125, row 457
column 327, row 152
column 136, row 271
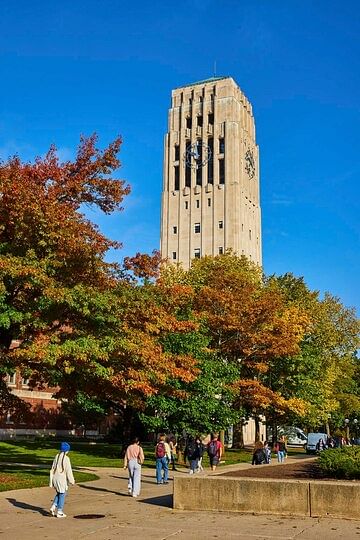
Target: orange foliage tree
column 249, row 323
column 83, row 325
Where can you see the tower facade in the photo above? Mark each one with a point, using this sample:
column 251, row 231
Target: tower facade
column 210, row 197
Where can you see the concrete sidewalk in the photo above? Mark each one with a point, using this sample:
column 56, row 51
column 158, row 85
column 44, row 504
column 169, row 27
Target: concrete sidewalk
column 24, row 515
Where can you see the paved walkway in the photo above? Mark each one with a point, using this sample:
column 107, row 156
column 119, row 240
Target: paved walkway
column 24, row 516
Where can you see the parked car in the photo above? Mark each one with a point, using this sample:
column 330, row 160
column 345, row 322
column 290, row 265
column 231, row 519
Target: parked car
column 312, row 441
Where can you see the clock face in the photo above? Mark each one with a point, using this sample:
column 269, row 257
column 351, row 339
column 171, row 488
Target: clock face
column 250, row 164
column 197, row 155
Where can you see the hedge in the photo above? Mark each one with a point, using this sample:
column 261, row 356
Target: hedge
column 341, row 463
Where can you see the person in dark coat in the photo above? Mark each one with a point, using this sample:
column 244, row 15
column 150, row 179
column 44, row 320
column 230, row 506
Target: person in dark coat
column 259, row 456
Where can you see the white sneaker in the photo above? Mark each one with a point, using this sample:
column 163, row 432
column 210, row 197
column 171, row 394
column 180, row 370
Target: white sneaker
column 135, row 496
column 191, row 471
column 53, row 510
column 61, row 515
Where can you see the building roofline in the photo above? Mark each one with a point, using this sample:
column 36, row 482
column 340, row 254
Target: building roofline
column 204, row 81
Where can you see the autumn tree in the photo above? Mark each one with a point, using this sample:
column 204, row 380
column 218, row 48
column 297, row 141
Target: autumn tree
column 82, row 324
column 248, row 323
column 323, row 373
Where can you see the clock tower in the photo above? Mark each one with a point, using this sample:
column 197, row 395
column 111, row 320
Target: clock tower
column 210, row 198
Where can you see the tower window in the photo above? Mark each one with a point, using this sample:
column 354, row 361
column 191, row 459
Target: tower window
column 177, row 152
column 221, row 224
column 176, row 178
column 221, row 171
column 197, row 203
column 249, row 234
column 174, row 254
column 221, row 250
column 197, row 228
column 188, row 122
column 222, row 146
column 209, row 202
column 199, row 169
column 210, row 165
column 197, row 253
column 186, row 205
column 200, row 121
column 174, row 229
column 211, row 119
column 187, row 169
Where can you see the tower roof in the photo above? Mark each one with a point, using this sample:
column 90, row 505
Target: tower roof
column 204, row 81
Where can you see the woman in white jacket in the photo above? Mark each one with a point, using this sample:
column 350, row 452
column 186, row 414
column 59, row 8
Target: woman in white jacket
column 61, row 476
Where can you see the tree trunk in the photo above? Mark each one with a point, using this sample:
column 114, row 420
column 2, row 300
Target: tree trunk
column 238, row 436
column 257, row 428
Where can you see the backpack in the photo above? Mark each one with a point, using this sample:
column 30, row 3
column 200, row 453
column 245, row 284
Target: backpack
column 212, row 449
column 160, row 450
column 191, row 449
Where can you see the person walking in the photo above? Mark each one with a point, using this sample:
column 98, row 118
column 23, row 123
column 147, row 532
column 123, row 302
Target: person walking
column 259, row 456
column 163, row 458
column 173, row 446
column 134, row 458
column 194, row 452
column 61, row 476
column 267, row 451
column 281, row 449
column 214, row 450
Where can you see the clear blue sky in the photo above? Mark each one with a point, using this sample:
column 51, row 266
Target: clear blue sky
column 72, row 67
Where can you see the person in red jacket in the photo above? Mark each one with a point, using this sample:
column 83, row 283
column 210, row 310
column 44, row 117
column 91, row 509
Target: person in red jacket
column 215, row 451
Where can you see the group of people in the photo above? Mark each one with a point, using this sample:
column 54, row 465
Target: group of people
column 262, row 452
column 61, row 474
column 166, row 454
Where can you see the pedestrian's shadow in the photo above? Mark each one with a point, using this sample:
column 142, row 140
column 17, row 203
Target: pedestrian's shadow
column 162, row 500
column 27, row 506
column 93, row 488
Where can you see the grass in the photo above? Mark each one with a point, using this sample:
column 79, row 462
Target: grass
column 43, row 452
column 14, row 477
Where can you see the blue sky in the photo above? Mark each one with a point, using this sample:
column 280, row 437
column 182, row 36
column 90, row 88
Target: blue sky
column 75, row 67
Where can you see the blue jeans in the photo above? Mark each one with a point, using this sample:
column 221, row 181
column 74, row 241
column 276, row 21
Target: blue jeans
column 162, row 470
column 59, row 501
column 280, row 456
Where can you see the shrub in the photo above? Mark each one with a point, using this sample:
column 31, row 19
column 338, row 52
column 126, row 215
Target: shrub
column 342, row 463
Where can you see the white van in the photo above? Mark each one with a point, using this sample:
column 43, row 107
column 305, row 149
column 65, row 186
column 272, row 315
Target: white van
column 312, row 440
column 294, row 435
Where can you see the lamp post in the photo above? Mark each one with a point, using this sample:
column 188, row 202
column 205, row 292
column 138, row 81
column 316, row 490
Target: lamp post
column 356, row 425
column 347, row 428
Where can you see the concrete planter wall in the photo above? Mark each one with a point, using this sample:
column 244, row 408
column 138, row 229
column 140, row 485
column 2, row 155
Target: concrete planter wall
column 265, row 496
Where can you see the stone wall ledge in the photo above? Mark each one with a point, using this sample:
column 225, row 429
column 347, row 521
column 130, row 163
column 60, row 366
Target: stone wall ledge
column 311, row 498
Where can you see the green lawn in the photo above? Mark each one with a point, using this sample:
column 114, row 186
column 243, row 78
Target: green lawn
column 14, row 477
column 43, row 452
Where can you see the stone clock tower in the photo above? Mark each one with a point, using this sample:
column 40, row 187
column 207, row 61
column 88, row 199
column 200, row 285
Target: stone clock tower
column 210, row 198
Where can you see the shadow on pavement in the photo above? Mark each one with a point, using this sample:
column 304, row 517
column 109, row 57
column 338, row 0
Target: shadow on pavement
column 162, row 500
column 143, row 481
column 27, row 506
column 93, row 488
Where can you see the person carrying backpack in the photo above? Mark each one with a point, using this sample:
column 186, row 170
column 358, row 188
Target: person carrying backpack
column 193, row 452
column 214, row 450
column 259, row 456
column 163, row 458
